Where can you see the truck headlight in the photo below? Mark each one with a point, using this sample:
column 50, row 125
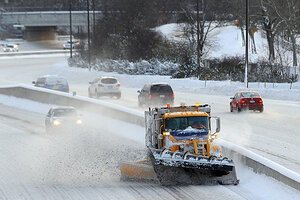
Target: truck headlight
column 166, row 133
column 56, row 123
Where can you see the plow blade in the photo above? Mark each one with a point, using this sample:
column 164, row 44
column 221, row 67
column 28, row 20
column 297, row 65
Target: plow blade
column 173, row 168
column 138, row 171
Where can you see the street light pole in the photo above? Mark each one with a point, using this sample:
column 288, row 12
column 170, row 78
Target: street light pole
column 94, row 20
column 88, row 22
column 71, row 42
column 198, row 40
column 246, row 47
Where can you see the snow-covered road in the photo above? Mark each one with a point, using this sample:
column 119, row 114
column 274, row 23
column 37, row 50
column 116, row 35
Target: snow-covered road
column 273, row 134
column 71, row 166
column 85, row 164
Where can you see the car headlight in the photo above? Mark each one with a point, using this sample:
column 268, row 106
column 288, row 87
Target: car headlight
column 56, row 123
column 78, row 121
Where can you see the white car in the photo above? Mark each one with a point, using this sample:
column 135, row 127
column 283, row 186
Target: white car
column 105, row 86
column 62, row 118
column 11, row 48
column 75, row 44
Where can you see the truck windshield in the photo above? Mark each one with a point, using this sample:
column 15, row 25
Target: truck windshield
column 181, row 123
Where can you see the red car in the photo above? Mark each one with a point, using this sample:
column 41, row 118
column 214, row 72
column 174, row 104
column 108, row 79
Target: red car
column 246, row 100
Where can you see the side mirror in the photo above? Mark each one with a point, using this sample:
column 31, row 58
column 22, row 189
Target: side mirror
column 33, row 82
column 218, row 125
column 139, row 91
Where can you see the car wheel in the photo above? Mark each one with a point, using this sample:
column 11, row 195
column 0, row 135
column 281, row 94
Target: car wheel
column 238, row 109
column 261, row 110
column 231, row 109
column 118, row 96
column 90, row 94
column 140, row 103
column 48, row 129
column 98, row 95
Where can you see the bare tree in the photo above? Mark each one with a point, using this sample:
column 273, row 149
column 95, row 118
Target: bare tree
column 206, row 25
column 288, row 12
column 270, row 23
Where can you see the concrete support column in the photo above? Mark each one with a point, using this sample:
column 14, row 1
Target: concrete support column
column 35, row 33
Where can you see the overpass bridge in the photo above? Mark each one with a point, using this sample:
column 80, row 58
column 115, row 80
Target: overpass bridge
column 42, row 25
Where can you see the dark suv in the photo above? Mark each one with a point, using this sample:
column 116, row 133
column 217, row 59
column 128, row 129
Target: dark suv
column 157, row 93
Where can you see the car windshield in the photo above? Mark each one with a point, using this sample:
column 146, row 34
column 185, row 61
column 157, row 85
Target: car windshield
column 109, row 81
column 161, row 89
column 181, row 123
column 63, row 112
column 250, row 94
column 41, row 81
column 73, row 42
column 56, row 81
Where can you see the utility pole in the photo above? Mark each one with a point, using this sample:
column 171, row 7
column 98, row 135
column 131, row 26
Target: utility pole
column 246, row 47
column 88, row 22
column 71, row 42
column 198, row 40
column 94, row 20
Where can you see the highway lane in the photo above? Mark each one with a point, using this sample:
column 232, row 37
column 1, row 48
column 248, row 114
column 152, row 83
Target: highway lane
column 76, row 165
column 273, row 134
column 84, row 164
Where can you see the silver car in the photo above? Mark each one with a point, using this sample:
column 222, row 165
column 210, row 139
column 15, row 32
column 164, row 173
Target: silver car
column 105, row 86
column 11, row 48
column 75, row 44
column 62, row 118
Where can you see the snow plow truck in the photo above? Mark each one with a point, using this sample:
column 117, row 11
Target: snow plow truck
column 181, row 149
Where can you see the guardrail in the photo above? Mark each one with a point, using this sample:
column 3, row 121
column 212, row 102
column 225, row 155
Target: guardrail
column 258, row 163
column 60, row 98
column 26, row 53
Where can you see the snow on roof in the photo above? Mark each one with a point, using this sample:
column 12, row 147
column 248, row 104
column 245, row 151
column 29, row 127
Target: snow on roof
column 63, row 107
column 159, row 83
column 51, row 76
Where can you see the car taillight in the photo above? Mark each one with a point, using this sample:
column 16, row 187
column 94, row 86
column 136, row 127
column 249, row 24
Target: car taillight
column 243, row 101
column 100, row 85
column 150, row 96
column 260, row 101
column 118, row 84
column 173, row 95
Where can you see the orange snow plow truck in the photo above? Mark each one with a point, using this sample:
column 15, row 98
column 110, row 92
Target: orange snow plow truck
column 181, row 149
